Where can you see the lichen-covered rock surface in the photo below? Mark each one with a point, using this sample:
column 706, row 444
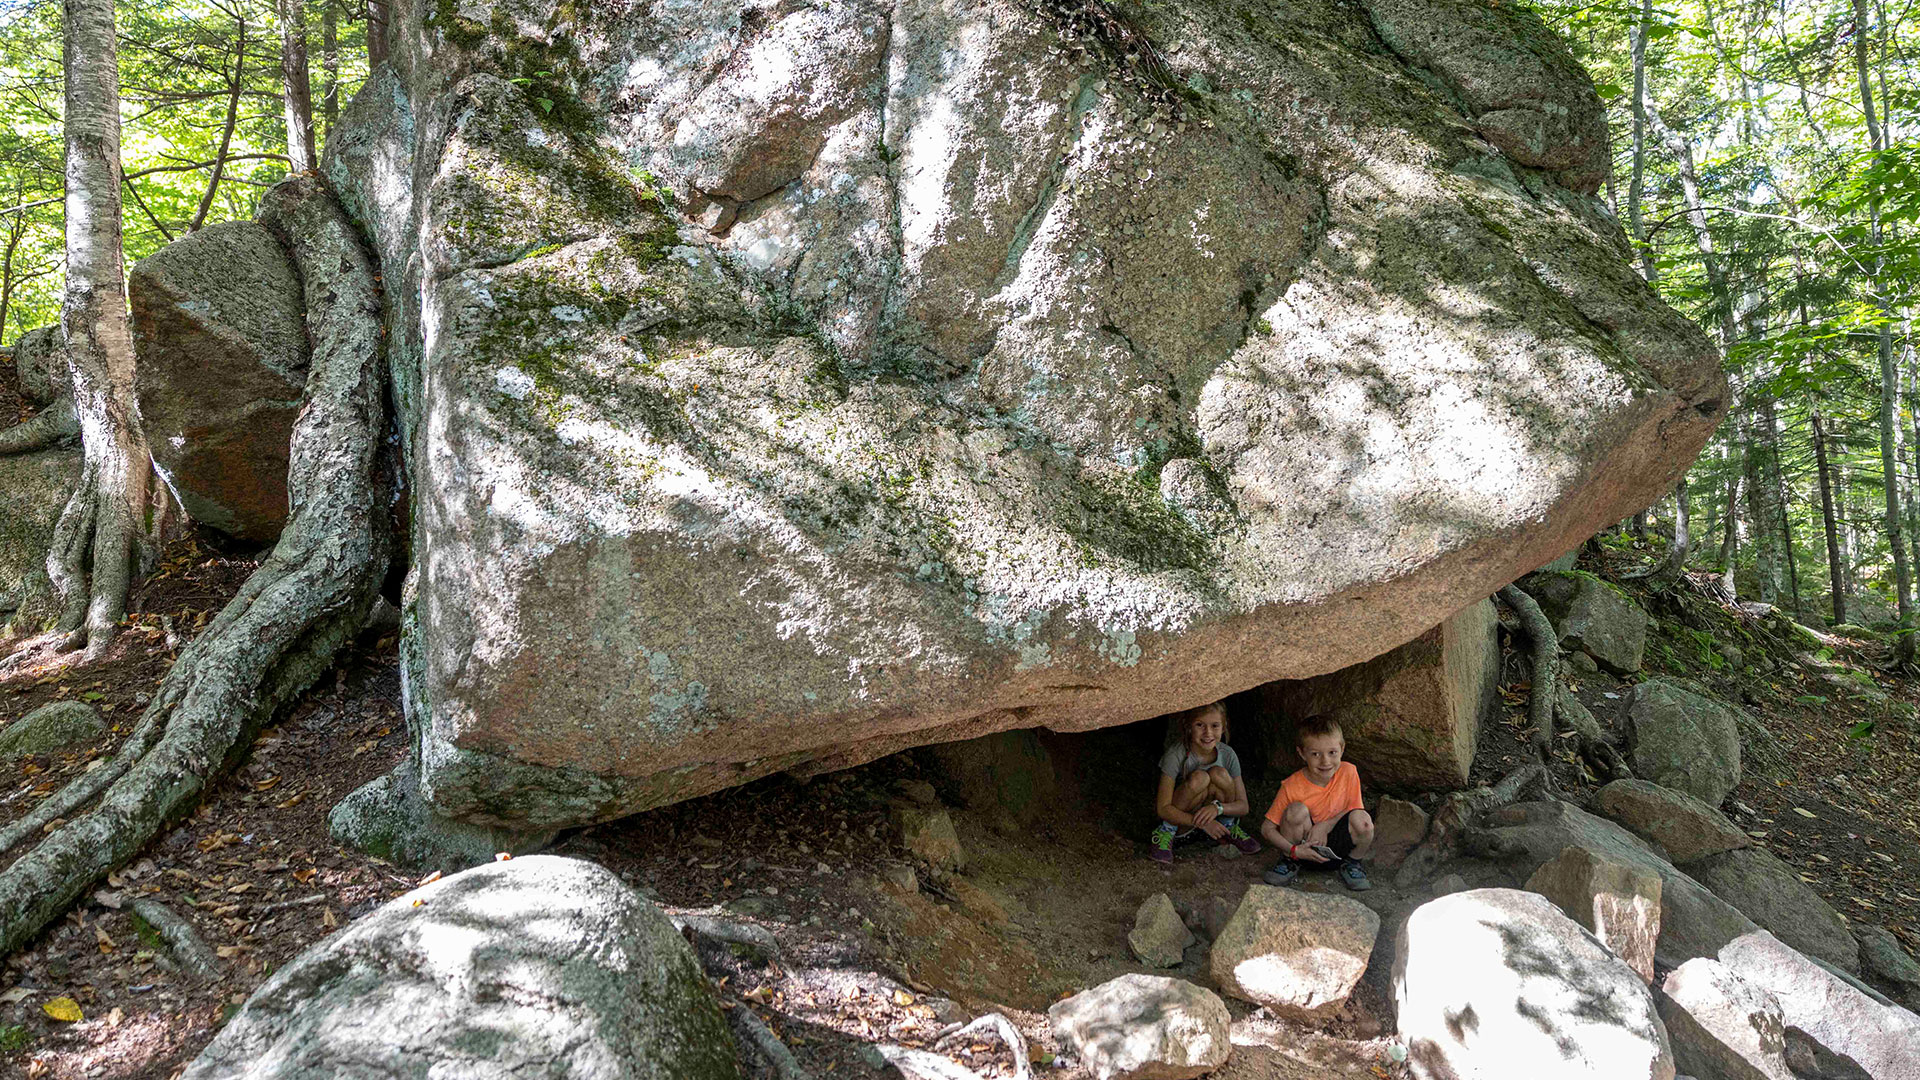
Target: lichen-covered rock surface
column 788, row 385
column 220, row 331
column 535, row 968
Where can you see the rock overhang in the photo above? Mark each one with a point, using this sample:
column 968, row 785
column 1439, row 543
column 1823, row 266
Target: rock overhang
column 1037, row 395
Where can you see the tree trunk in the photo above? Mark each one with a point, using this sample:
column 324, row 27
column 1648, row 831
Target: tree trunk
column 235, row 88
column 1836, row 570
column 330, row 63
column 281, row 630
column 1730, row 535
column 376, row 33
column 1637, row 185
column 296, row 91
column 1889, row 376
column 104, row 517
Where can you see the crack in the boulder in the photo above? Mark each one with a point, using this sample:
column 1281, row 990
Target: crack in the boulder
column 889, row 163
column 1083, row 102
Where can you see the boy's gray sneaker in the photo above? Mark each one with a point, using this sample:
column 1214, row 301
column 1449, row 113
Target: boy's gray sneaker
column 1281, row 873
column 1354, row 877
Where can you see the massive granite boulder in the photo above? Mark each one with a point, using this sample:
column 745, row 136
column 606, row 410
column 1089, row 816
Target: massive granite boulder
column 220, row 330
column 784, row 386
column 1412, row 716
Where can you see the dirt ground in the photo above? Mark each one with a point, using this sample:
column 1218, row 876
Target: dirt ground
column 862, row 958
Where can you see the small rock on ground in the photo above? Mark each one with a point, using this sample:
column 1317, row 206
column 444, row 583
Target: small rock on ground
column 1687, row 828
column 1144, row 1027
column 1398, row 828
column 927, row 833
column 1721, row 1025
column 1295, row 952
column 1159, row 937
column 50, row 727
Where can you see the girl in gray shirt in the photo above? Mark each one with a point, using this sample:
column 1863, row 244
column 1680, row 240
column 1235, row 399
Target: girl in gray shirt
column 1200, row 786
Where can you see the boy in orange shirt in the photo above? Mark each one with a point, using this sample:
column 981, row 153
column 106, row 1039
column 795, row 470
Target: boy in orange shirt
column 1317, row 815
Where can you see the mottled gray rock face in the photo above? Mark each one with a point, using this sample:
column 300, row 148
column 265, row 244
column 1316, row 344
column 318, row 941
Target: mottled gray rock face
column 1411, row 717
column 1693, row 921
column 810, row 383
column 1837, row 1019
column 39, row 367
column 1721, row 1024
column 1686, row 827
column 1767, row 891
column 1593, row 617
column 219, row 327
column 1685, row 739
column 535, row 968
column 33, row 490
column 1498, row 983
column 1145, row 1027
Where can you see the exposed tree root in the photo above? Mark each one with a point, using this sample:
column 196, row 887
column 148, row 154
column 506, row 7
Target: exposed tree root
column 282, row 629
column 54, row 425
column 183, row 943
column 1460, row 811
column 1546, row 657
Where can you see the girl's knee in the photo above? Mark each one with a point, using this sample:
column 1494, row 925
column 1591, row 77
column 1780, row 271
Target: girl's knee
column 1198, row 781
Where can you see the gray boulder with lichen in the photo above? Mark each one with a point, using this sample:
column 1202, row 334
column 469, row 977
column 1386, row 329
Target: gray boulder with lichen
column 789, row 386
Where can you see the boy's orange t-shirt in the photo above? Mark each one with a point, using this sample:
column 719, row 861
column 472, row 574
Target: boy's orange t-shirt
column 1341, row 794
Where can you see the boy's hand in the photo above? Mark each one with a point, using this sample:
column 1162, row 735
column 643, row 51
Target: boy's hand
column 1306, row 853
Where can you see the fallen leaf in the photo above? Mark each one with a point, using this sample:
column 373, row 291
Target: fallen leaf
column 64, row 1009
column 15, row 996
column 902, row 998
column 1806, row 813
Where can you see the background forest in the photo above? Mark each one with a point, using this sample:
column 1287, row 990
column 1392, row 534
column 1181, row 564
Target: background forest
column 1764, row 164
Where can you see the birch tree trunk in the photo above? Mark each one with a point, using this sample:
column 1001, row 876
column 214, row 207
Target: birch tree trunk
column 101, row 529
column 295, row 89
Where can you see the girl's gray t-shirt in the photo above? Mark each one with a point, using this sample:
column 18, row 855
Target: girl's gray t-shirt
column 1180, row 761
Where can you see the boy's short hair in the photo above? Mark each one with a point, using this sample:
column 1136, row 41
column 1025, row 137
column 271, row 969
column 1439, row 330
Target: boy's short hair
column 1314, row 727
column 1180, row 724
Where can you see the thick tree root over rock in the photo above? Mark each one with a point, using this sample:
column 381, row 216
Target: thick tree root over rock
column 281, row 631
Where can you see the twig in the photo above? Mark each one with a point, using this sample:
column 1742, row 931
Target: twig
column 304, row 901
column 182, row 940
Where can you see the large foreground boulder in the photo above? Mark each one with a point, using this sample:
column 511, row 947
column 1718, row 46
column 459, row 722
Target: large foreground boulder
column 1498, row 983
column 535, row 968
column 791, row 390
column 1721, row 1025
column 1411, row 717
column 220, row 331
